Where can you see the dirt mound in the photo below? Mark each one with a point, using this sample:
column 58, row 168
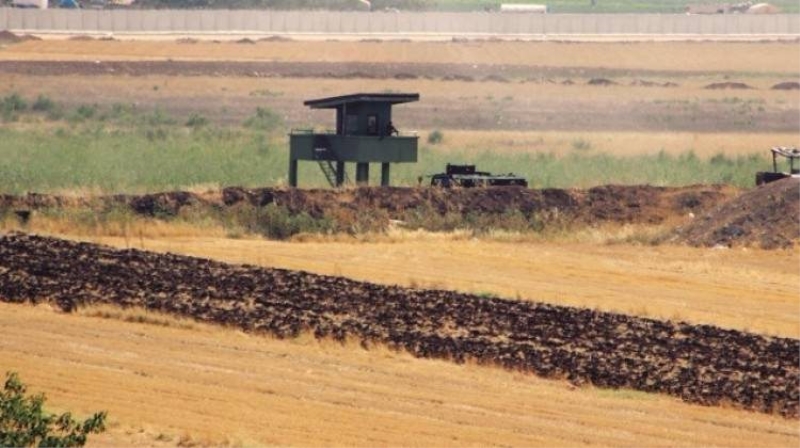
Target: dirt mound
column 601, row 82
column 789, row 85
column 698, row 363
column 766, row 216
column 427, row 208
column 275, row 38
column 646, row 83
column 7, row 37
column 727, row 85
column 613, row 203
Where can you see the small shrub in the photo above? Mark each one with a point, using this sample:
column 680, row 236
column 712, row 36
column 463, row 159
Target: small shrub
column 14, row 103
column 435, row 137
column 158, row 134
column 85, row 112
column 11, row 106
column 43, row 104
column 277, row 222
column 158, row 118
column 196, row 121
column 119, row 110
column 265, row 120
column 581, row 144
column 24, row 423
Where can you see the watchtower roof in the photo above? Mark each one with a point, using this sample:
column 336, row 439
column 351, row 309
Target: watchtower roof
column 387, row 98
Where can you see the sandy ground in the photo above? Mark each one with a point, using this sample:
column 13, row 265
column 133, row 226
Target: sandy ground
column 177, row 383
column 697, row 57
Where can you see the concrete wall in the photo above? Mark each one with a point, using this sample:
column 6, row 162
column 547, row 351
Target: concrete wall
column 365, row 23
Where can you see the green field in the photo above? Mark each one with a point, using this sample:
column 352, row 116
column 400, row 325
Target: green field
column 124, row 150
column 99, row 160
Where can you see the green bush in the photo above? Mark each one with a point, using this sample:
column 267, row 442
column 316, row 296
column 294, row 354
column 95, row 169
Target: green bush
column 14, row 103
column 277, row 222
column 24, row 423
column 581, row 144
column 158, row 118
column 435, row 137
column 264, row 120
column 85, row 112
column 43, row 104
column 196, row 121
column 11, row 106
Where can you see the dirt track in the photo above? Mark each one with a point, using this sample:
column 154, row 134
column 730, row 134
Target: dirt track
column 702, row 364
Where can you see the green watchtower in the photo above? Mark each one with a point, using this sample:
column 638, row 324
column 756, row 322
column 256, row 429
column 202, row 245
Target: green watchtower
column 364, row 134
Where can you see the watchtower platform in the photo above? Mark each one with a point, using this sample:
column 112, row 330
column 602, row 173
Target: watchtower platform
column 364, row 134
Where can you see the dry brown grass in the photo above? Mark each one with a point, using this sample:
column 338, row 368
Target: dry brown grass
column 686, row 56
column 744, row 289
column 131, row 230
column 165, row 384
column 704, row 145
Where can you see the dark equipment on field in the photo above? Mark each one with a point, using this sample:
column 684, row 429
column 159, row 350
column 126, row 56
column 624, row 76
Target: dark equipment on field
column 791, row 154
column 466, row 176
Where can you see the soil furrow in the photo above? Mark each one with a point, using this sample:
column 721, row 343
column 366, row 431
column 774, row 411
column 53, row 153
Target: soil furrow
column 698, row 363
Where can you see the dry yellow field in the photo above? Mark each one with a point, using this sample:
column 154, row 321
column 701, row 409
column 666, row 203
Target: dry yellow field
column 187, row 384
column 704, row 145
column 182, row 383
column 560, row 142
column 685, row 56
column 635, row 109
column 750, row 290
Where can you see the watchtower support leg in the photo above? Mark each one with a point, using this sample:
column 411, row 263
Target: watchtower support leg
column 385, row 174
column 362, row 173
column 339, row 173
column 292, row 173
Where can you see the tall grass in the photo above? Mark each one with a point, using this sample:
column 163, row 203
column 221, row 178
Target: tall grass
column 149, row 160
column 136, row 161
column 121, row 149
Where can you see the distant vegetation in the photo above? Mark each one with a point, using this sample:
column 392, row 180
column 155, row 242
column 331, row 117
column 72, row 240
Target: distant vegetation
column 123, row 148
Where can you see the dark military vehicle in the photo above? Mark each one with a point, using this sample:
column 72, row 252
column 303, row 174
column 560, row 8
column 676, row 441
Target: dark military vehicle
column 467, row 176
column 791, row 154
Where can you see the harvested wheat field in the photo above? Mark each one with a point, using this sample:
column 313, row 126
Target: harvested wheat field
column 168, row 383
column 26, row 258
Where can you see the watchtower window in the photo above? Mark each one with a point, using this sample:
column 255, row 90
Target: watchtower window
column 372, row 124
column 351, row 124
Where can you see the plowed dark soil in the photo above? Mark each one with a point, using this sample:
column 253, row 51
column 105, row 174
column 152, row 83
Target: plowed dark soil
column 702, row 364
column 766, row 216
